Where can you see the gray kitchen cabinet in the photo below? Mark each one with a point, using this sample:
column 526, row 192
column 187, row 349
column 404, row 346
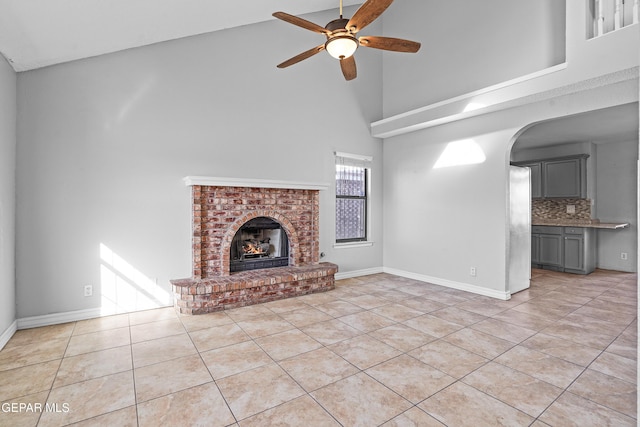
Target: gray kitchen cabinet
column 562, row 177
column 536, row 177
column 551, row 250
column 565, row 178
column 573, row 250
column 535, row 249
column 579, row 250
column 536, row 180
column 547, row 251
column 567, row 249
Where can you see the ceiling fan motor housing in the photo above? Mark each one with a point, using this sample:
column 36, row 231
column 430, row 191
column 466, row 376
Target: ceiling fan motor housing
column 340, row 42
column 337, row 24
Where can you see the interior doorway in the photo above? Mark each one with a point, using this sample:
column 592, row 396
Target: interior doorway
column 609, row 140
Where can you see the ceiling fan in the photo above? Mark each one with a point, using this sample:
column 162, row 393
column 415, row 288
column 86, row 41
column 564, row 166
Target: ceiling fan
column 341, row 40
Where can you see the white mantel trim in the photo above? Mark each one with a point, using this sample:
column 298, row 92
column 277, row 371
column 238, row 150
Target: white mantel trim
column 249, row 182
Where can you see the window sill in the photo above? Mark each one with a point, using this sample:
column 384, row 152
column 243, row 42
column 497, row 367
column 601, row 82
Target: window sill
column 352, row 245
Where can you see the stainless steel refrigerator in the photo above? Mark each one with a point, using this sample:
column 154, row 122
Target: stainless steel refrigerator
column 519, row 222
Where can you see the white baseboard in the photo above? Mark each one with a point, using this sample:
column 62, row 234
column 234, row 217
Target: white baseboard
column 56, row 318
column 358, row 273
column 8, row 333
column 73, row 316
column 450, row 284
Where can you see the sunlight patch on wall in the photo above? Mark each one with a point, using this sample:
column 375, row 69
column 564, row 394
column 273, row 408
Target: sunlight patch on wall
column 473, row 106
column 463, row 152
column 124, row 288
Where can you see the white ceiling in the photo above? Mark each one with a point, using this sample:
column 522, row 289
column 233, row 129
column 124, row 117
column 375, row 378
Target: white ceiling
column 613, row 124
column 37, row 33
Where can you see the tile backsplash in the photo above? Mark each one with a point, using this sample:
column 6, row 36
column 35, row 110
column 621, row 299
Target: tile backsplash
column 557, row 209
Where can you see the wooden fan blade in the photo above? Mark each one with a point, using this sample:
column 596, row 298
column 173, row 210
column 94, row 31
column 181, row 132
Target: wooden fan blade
column 366, row 14
column 301, row 22
column 304, row 55
column 389, row 43
column 348, row 66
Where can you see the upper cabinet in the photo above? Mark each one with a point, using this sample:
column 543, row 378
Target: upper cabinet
column 563, row 177
column 536, row 179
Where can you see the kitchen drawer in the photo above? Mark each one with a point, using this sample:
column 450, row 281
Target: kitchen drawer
column 546, row 229
column 573, row 230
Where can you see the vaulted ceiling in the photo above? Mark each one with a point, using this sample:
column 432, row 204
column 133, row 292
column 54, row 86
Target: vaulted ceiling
column 37, row 33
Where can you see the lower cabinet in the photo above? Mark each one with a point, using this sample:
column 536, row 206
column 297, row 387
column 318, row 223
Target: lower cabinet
column 547, row 248
column 579, row 250
column 551, row 250
column 567, row 249
column 573, row 250
column 535, row 249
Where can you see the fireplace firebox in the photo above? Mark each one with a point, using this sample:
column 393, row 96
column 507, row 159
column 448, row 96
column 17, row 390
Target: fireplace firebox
column 260, row 243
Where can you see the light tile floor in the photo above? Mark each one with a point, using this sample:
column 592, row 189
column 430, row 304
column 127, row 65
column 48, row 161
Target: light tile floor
column 377, row 350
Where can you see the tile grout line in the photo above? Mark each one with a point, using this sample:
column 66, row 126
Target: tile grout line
column 621, row 328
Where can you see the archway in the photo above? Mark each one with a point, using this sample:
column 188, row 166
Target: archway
column 609, row 137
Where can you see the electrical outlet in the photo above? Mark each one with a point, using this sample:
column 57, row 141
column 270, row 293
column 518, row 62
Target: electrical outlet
column 472, row 271
column 88, row 290
column 624, row 255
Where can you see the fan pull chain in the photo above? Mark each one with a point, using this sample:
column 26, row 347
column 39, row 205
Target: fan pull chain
column 340, row 9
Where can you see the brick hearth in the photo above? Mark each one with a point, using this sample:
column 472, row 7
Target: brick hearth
column 251, row 287
column 218, row 212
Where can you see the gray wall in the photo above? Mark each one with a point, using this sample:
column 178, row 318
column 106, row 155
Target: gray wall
column 468, row 45
column 441, row 222
column 617, row 191
column 438, row 223
column 105, row 142
column 7, row 194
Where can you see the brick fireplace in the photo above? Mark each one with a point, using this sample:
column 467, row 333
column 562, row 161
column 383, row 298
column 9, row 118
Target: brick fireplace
column 220, row 209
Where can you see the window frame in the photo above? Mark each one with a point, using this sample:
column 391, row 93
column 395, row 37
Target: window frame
column 365, row 163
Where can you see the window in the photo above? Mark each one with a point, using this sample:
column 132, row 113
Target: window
column 352, row 186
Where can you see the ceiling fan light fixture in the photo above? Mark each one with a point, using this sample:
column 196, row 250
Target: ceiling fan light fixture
column 342, row 46
column 341, row 41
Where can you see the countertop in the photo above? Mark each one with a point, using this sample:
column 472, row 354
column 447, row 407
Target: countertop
column 587, row 223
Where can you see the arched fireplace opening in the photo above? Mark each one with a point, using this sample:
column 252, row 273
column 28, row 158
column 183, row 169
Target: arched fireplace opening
column 259, row 243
